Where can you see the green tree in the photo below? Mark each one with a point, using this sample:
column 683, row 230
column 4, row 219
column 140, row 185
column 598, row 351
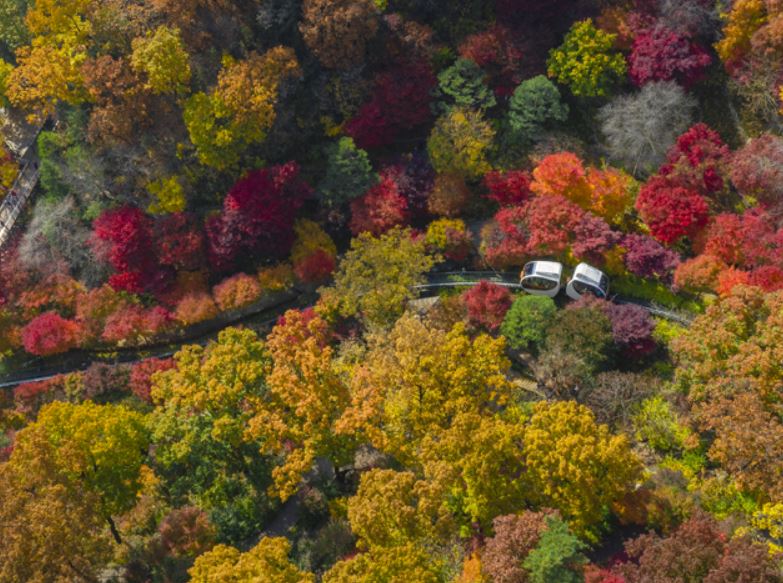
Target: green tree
column 584, row 332
column 463, row 85
column 460, row 143
column 203, row 406
column 375, row 277
column 586, row 62
column 527, row 322
column 348, row 174
column 162, row 57
column 13, row 32
column 558, row 557
column 534, row 106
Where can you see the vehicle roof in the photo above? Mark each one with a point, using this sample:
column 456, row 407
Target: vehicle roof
column 589, row 273
column 551, row 268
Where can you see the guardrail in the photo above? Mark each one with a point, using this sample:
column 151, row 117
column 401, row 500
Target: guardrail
column 22, row 189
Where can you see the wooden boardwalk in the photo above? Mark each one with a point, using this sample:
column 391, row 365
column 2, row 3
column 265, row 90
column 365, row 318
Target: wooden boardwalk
column 14, row 202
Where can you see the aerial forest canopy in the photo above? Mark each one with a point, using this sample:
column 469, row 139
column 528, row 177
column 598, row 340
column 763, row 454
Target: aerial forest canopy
column 391, row 291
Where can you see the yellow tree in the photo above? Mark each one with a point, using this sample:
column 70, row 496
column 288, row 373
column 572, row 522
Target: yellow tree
column 575, row 465
column 397, row 564
column 396, row 508
column 162, row 57
column 460, row 143
column 375, row 278
column 267, row 562
column 89, row 448
column 295, row 417
column 414, row 380
column 241, row 109
column 483, row 475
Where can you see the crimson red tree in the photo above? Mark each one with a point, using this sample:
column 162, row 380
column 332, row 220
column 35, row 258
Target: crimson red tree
column 757, row 171
column 50, row 333
column 258, row 216
column 697, row 161
column 671, row 212
column 660, row 54
column 380, row 209
column 487, row 304
column 124, row 236
column 496, row 51
column 180, row 242
column 510, row 188
column 400, row 102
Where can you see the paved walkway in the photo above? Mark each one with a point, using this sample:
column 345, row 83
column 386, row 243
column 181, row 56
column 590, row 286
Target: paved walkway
column 14, row 202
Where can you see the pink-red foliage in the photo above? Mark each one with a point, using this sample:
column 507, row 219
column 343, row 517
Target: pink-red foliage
column 757, row 171
column 659, row 54
column 258, row 216
column 379, row 209
column 180, row 242
column 415, row 179
column 487, row 304
column 195, row 307
column 632, row 329
column 316, row 267
column 593, row 238
column 495, row 50
column 671, row 212
column 731, row 278
column 135, row 324
column 103, row 379
column 141, row 375
column 30, row 397
column 400, row 102
column 697, row 161
column 510, row 188
column 237, row 291
column 95, row 306
column 49, row 334
column 748, row 240
column 552, row 222
column 767, row 277
column 645, row 257
column 699, row 274
column 124, row 234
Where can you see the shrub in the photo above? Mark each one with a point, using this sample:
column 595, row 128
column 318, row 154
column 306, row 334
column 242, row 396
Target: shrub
column 100, row 380
column 659, row 54
column 135, row 324
column 671, row 212
column 194, row 308
column 585, row 332
column 632, row 329
column 348, row 174
column 511, row 188
column 645, row 257
column 658, row 425
column 277, row 278
column 449, row 196
column 140, row 380
column 487, row 304
column 699, row 274
column 316, row 267
column 460, row 143
column 380, row 209
column 462, row 85
column 535, row 106
column 586, row 61
column 49, row 334
column 515, row 536
column 640, row 128
column 450, row 238
column 527, row 322
column 236, row 291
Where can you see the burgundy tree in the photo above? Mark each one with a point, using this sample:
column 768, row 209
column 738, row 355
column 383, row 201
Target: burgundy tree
column 258, row 216
column 659, row 54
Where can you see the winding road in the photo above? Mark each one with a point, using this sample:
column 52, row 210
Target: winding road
column 262, row 316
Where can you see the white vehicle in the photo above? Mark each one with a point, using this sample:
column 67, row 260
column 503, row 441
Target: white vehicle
column 587, row 280
column 542, row 278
